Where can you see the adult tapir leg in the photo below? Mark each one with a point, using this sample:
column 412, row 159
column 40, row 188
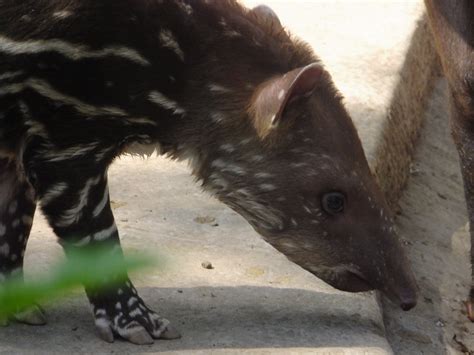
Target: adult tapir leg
column 452, row 23
column 76, row 204
column 17, row 208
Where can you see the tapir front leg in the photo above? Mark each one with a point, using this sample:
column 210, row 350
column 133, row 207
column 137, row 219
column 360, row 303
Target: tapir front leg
column 452, row 23
column 79, row 211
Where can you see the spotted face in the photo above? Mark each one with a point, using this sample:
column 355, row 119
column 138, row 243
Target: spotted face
column 303, row 182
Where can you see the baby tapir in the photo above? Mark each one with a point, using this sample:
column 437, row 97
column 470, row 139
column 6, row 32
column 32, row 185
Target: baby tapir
column 452, row 23
column 252, row 108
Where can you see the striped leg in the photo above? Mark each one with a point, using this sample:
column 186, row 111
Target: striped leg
column 17, row 208
column 81, row 216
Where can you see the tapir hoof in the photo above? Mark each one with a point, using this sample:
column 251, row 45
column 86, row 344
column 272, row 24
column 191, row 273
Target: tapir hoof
column 33, row 315
column 170, row 333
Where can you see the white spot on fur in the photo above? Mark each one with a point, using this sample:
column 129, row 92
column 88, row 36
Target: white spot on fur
column 135, row 312
column 73, row 214
column 106, row 233
column 101, row 205
column 53, row 155
column 232, row 33
column 10, row 75
column 132, row 301
column 228, row 168
column 217, row 182
column 165, row 102
column 13, row 207
column 273, row 121
column 219, row 88
column 218, row 117
column 168, row 40
column 15, row 223
column 62, row 14
column 100, row 312
column 102, row 323
column 43, row 88
column 83, row 242
column 70, row 50
column 229, row 148
column 54, row 192
column 257, row 158
column 264, row 175
column 267, row 187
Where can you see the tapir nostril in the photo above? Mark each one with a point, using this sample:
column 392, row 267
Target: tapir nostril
column 408, row 303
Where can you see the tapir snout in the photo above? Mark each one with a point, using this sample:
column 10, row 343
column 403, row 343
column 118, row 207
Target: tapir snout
column 390, row 273
column 399, row 283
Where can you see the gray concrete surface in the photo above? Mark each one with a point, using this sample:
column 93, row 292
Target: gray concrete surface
column 254, row 300
column 433, row 223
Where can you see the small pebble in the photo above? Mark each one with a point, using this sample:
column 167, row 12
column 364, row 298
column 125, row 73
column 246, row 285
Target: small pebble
column 441, row 196
column 205, row 220
column 440, row 324
column 207, row 265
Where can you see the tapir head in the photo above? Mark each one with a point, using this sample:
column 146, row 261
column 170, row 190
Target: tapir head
column 294, row 167
column 303, row 182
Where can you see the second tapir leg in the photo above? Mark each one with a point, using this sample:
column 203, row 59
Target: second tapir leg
column 80, row 214
column 17, row 208
column 451, row 23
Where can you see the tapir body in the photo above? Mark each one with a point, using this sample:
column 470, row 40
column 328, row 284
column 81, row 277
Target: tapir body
column 452, row 24
column 228, row 88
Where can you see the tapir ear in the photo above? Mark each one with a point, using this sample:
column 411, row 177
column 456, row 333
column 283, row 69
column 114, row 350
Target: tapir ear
column 265, row 12
column 273, row 96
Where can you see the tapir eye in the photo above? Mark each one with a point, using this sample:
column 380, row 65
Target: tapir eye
column 333, row 202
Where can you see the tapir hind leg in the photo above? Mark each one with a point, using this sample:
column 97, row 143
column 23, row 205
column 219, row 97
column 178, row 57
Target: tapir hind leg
column 17, row 207
column 452, row 25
